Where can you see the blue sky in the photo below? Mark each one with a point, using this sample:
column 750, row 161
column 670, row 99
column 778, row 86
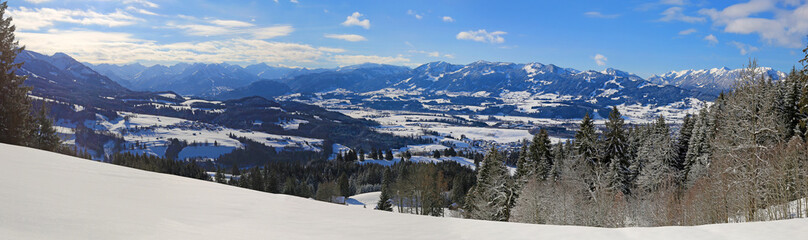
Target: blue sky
column 642, row 37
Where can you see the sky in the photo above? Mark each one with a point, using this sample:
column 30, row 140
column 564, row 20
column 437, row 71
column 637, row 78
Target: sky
column 642, row 37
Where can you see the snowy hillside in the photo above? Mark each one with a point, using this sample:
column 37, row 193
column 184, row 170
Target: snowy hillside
column 51, row 196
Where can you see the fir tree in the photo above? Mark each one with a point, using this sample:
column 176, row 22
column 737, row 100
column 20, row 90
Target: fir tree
column 43, row 135
column 659, row 154
column 384, row 199
column 523, row 164
column 388, row 155
column 15, row 118
column 493, row 195
column 540, row 155
column 344, row 188
column 615, row 152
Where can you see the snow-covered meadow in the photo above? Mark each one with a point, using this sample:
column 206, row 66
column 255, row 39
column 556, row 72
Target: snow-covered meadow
column 212, row 141
column 52, row 196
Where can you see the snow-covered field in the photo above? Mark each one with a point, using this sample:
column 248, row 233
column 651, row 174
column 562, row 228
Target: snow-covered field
column 50, row 196
column 212, row 140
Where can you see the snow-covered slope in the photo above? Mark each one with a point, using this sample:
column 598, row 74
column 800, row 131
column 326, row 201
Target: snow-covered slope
column 50, row 196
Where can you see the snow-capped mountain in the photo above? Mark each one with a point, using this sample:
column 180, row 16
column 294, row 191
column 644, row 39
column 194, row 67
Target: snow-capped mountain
column 714, row 80
column 62, row 77
column 183, row 78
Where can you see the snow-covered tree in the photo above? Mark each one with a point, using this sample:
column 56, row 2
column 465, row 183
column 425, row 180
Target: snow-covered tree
column 493, row 196
column 659, row 154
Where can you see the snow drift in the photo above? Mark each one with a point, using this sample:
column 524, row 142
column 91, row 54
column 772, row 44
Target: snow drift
column 45, row 195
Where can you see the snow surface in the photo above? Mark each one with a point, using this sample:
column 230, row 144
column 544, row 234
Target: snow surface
column 51, row 196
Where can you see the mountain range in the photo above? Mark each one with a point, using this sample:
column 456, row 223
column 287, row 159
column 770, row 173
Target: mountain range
column 531, row 89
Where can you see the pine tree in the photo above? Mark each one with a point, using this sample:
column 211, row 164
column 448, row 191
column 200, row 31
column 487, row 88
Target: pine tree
column 658, row 152
column 615, row 153
column 699, row 151
column 15, row 118
column 388, row 155
column 361, row 155
column 44, row 136
column 540, row 155
column 523, row 165
column 344, row 188
column 493, row 195
column 683, row 143
column 384, row 203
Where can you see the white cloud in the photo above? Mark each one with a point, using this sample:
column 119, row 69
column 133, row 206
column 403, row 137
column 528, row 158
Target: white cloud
column 448, row 19
column 688, row 31
column 780, row 24
column 294, row 1
column 119, row 48
column 346, row 37
column 219, row 30
column 676, row 14
column 744, row 48
column 141, row 11
column 414, row 14
column 272, row 32
column 145, row 3
column 594, row 14
column 600, row 59
column 353, row 20
column 38, row 18
column 37, row 1
column 482, row 36
column 711, row 39
column 231, row 23
column 359, row 59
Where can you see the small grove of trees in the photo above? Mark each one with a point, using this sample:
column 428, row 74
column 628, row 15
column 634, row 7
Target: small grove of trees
column 745, row 158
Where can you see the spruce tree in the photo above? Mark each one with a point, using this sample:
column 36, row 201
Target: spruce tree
column 493, row 195
column 540, row 155
column 384, row 198
column 344, row 188
column 658, row 152
column 683, row 143
column 43, row 135
column 523, row 165
column 15, row 118
column 388, row 155
column 615, row 152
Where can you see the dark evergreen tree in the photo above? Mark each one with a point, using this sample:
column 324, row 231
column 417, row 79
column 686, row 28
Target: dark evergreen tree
column 388, row 155
column 436, row 154
column 44, row 136
column 361, row 155
column 15, row 107
column 384, row 203
column 683, row 143
column 344, row 188
column 615, row 152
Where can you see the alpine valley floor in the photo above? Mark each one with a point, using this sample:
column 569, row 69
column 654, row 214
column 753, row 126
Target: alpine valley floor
column 45, row 195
